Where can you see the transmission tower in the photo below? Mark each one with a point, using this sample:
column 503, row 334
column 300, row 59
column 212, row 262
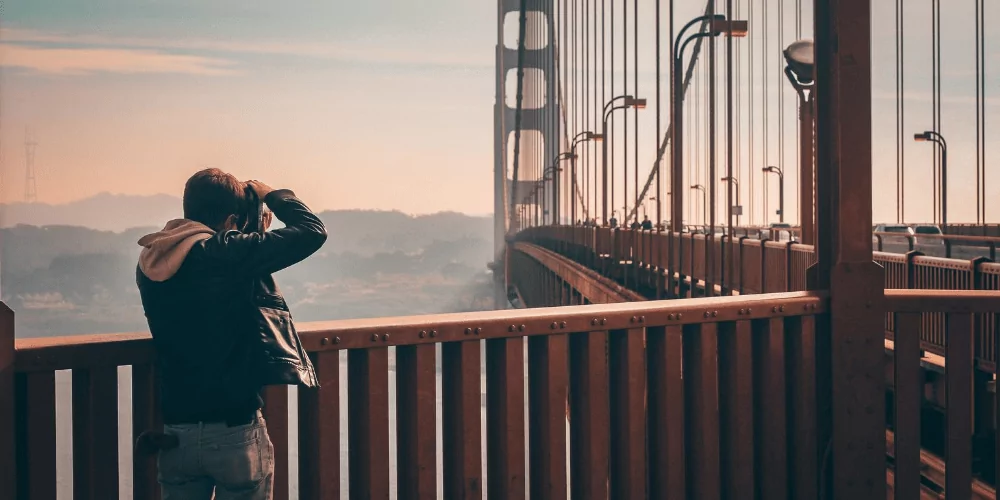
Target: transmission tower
column 30, row 188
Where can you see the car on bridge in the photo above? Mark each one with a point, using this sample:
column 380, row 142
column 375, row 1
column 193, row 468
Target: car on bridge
column 890, row 242
column 928, row 230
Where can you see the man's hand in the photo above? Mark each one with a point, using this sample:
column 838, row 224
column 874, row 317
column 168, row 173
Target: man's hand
column 260, row 188
column 267, row 217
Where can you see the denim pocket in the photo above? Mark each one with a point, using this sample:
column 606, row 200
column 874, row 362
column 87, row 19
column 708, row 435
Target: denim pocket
column 236, row 462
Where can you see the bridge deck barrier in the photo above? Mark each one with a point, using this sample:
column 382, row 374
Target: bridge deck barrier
column 777, row 266
column 710, row 369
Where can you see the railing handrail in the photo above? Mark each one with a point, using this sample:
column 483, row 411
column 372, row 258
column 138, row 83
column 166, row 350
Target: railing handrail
column 82, row 351
column 942, row 301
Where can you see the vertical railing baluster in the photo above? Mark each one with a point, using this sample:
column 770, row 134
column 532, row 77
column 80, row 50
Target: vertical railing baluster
column 145, row 416
column 628, row 413
column 8, row 406
column 276, row 417
column 958, row 401
column 769, row 407
column 909, row 394
column 701, row 406
column 589, row 415
column 416, row 435
column 461, row 420
column 800, row 375
column 549, row 372
column 95, row 433
column 36, row 436
column 368, row 422
column 505, row 418
column 319, row 431
column 736, row 408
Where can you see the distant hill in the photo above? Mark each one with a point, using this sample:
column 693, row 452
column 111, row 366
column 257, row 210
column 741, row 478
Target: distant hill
column 104, row 212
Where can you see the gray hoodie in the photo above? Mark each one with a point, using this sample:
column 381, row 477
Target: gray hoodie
column 164, row 251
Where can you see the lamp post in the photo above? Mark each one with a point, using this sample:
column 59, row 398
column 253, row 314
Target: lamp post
column 579, row 139
column 931, row 136
column 799, row 70
column 629, row 102
column 734, row 182
column 704, row 201
column 717, row 25
column 555, row 198
column 547, row 174
column 781, row 190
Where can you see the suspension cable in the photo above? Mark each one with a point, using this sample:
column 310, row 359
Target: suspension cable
column 517, row 112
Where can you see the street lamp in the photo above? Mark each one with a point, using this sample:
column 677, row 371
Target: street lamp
column 781, row 190
column 704, row 201
column 717, row 25
column 579, row 139
column 555, row 165
column 799, row 57
column 931, row 136
column 629, row 102
column 734, row 182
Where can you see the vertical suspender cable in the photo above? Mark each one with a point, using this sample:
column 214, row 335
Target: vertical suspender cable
column 781, row 98
column 767, row 115
column 979, row 156
column 659, row 199
column 609, row 134
column 982, row 102
column 622, row 219
column 899, row 121
column 709, row 218
column 752, row 201
column 635, row 115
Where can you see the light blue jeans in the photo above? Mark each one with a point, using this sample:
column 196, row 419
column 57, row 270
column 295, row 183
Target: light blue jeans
column 234, row 463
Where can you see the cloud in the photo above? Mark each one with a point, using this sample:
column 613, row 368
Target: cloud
column 81, row 61
column 443, row 55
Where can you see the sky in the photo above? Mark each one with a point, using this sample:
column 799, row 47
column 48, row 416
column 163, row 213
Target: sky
column 351, row 104
column 388, row 104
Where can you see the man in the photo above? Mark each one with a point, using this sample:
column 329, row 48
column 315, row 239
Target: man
column 647, row 225
column 209, row 301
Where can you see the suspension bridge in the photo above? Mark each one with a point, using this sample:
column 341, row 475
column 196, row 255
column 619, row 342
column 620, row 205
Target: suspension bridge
column 664, row 329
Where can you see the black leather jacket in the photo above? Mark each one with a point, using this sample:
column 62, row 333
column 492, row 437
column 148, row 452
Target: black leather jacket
column 220, row 327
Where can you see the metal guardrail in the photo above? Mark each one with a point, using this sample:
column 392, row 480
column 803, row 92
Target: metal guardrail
column 619, row 366
column 748, row 266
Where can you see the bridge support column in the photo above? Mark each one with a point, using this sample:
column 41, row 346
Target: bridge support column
column 850, row 359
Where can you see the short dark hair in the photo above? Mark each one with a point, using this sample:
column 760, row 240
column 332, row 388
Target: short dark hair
column 211, row 196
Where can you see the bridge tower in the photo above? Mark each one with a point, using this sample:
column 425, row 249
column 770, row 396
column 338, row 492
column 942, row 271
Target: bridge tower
column 539, row 112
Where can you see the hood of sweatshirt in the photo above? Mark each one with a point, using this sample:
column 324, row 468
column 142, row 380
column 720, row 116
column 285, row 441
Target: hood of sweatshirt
column 164, row 251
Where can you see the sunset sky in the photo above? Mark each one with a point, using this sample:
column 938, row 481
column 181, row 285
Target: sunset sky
column 375, row 104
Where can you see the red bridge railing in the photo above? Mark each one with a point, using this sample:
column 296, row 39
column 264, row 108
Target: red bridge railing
column 705, row 371
column 750, row 266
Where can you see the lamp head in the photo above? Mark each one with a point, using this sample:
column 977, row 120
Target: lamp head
column 596, row 137
column 720, row 26
column 634, row 102
column 800, row 56
column 926, row 136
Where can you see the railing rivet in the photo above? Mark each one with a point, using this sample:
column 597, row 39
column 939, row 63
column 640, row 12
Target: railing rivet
column 511, row 328
column 707, row 314
column 374, row 337
column 774, row 309
column 423, row 334
column 385, row 338
column 715, row 314
column 468, row 331
column 679, row 315
column 749, row 311
column 642, row 319
column 593, row 322
column 521, row 328
column 670, row 317
column 336, row 340
column 633, row 319
column 479, row 330
column 604, row 321
column 434, row 333
column 325, row 341
column 554, row 325
column 782, row 308
column 806, row 307
column 562, row 324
